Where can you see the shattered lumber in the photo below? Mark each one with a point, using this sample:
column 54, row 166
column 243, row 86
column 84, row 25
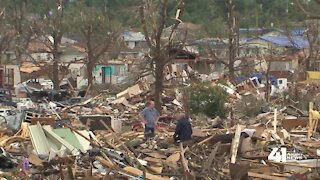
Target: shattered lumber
column 235, row 144
column 184, row 162
column 115, row 147
column 138, row 173
column 257, row 175
column 211, row 157
column 310, row 126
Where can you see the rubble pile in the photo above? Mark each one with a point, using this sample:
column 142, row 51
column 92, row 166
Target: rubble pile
column 102, row 138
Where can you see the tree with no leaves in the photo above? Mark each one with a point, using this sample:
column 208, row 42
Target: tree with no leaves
column 6, row 33
column 307, row 11
column 22, row 26
column 312, row 33
column 49, row 30
column 97, row 32
column 232, row 35
column 232, row 32
column 154, row 17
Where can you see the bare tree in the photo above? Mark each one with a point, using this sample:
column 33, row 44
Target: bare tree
column 305, row 10
column 154, row 17
column 49, row 30
column 22, row 27
column 98, row 34
column 267, row 72
column 6, row 33
column 231, row 56
column 312, row 33
column 232, row 35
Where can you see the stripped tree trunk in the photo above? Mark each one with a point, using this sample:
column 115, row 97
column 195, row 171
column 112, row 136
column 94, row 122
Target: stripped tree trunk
column 158, row 83
column 232, row 39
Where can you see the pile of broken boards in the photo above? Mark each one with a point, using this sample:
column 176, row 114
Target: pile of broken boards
column 42, row 151
column 126, row 105
column 91, row 146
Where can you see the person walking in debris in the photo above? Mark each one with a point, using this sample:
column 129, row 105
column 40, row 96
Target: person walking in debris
column 183, row 130
column 150, row 117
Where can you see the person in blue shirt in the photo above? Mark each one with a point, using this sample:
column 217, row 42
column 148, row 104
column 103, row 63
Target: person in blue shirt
column 183, row 130
column 150, row 117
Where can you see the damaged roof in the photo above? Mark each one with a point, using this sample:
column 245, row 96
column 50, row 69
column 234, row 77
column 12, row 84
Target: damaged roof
column 285, row 41
column 133, row 36
column 28, row 67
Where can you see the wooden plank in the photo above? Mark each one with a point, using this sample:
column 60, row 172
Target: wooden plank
column 156, row 169
column 315, row 126
column 93, row 122
column 43, row 121
column 112, row 145
column 137, row 172
column 206, row 140
column 24, row 131
column 310, row 119
column 115, row 136
column 105, row 162
column 290, row 124
column 34, row 159
column 209, row 160
column 125, row 147
column 275, row 121
column 198, row 133
column 153, row 160
column 258, row 175
column 265, row 176
column 297, row 110
column 156, row 155
column 173, row 157
column 235, row 144
column 293, row 164
column 9, row 140
column 282, row 174
column 184, row 161
column 172, row 160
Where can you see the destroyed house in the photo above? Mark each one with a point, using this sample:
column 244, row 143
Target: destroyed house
column 278, row 45
column 38, row 54
column 134, row 40
column 209, row 46
column 283, row 66
column 183, row 58
column 114, row 72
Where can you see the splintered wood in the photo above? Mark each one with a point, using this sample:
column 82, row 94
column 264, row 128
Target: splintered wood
column 242, row 146
column 314, row 117
column 310, row 127
column 211, row 157
column 235, row 144
column 139, row 173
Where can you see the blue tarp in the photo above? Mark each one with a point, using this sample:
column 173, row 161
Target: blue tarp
column 285, row 41
column 298, row 32
column 259, row 75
